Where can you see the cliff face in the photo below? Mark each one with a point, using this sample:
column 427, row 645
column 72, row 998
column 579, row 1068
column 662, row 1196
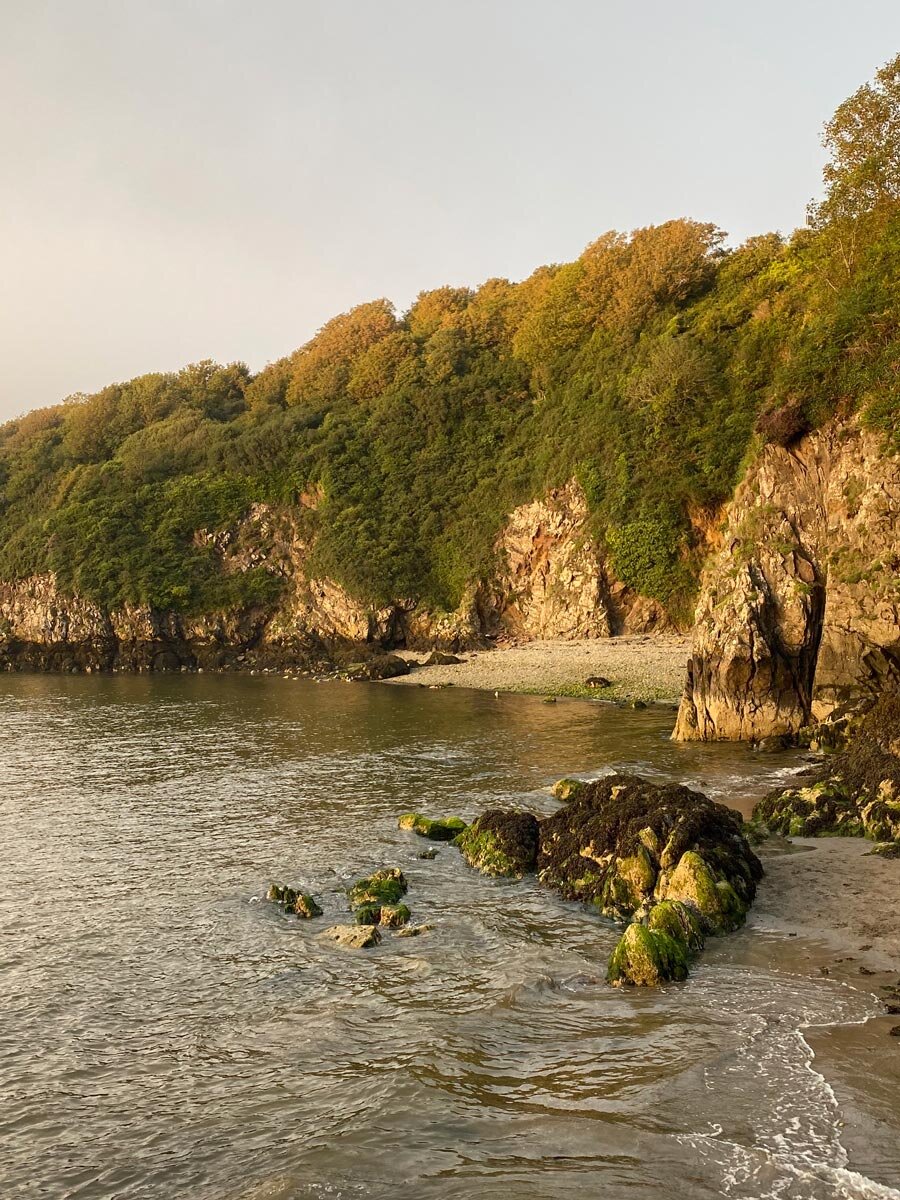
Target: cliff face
column 800, row 609
column 550, row 582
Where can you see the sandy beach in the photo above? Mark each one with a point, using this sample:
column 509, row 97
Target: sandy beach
column 834, row 891
column 640, row 667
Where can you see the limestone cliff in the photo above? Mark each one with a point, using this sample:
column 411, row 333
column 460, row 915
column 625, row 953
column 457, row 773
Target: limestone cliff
column 800, row 608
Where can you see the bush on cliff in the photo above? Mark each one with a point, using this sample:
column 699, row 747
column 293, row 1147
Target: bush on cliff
column 641, row 367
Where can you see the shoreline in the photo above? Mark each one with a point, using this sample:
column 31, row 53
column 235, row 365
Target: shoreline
column 646, row 667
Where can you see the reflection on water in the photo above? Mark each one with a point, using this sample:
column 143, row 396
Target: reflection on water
column 165, row 1033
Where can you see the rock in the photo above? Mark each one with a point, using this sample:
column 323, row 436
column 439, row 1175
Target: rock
column 392, row 916
column 501, row 842
column 857, row 794
column 381, row 666
column 895, row 1032
column 566, row 789
column 440, row 829
column 774, row 744
column 549, row 700
column 622, row 843
column 430, row 854
column 292, row 901
column 414, row 930
column 646, row 958
column 440, row 658
column 798, row 609
column 386, row 886
column 352, row 937
column 305, row 906
column 597, row 681
column 639, row 704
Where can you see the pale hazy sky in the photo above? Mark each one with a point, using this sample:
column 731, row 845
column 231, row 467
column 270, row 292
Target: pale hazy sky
column 188, row 179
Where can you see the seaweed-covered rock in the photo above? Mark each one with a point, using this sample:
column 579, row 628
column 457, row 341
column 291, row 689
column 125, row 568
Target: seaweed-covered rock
column 382, row 887
column 352, row 937
column 501, row 842
column 620, row 842
column 857, row 794
column 566, row 789
column 658, row 948
column 646, row 958
column 439, row 829
column 391, row 916
column 292, row 901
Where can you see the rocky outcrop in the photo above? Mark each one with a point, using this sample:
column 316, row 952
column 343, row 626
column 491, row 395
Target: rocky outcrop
column 501, row 842
column 857, row 792
column 800, row 609
column 552, row 580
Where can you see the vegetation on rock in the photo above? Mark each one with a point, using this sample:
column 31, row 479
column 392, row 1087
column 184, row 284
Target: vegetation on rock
column 857, row 794
column 501, row 842
column 293, row 901
column 649, row 368
column 439, row 829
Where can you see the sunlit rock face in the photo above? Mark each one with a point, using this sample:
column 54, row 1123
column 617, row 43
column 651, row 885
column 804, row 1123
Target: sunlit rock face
column 800, row 609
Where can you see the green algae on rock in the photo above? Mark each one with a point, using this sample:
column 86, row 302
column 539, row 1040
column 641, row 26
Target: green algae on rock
column 566, row 789
column 618, row 844
column 501, row 842
column 293, row 901
column 857, row 794
column 386, row 886
column 646, row 958
column 391, row 916
column 440, row 829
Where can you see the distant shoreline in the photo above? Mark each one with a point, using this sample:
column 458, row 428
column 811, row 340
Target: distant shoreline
column 646, row 667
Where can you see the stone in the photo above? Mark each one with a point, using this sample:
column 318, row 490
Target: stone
column 440, row 829
column 301, row 904
column 440, row 658
column 797, row 610
column 352, row 937
column 413, row 930
column 381, row 666
column 392, row 916
column 622, row 843
column 566, row 789
column 597, row 681
column 386, row 886
column 430, row 854
column 646, row 958
column 501, row 842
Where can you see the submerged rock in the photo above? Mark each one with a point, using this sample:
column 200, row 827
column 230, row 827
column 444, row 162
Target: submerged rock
column 392, row 916
column 293, row 901
column 440, row 829
column 352, row 937
column 413, row 930
column 501, row 842
column 430, row 854
column 386, row 886
column 623, row 842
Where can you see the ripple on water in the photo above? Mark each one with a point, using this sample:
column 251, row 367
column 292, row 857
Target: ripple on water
column 167, row 1033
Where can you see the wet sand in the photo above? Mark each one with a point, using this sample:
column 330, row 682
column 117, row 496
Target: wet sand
column 640, row 667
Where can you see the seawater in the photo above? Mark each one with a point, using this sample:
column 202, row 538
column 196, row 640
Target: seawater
column 166, row 1033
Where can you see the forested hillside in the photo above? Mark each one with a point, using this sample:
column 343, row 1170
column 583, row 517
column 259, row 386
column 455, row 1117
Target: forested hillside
column 651, row 368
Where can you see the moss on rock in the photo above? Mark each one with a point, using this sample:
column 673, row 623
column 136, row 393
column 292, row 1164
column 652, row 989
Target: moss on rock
column 646, row 957
column 502, row 843
column 440, row 829
column 382, row 887
column 301, row 904
column 566, row 789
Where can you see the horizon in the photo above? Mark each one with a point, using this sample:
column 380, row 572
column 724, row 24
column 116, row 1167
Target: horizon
column 150, row 229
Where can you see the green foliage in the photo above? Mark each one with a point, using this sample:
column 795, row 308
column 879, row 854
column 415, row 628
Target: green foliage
column 650, row 368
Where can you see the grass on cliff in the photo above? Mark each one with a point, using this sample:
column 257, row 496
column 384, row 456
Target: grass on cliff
column 650, row 368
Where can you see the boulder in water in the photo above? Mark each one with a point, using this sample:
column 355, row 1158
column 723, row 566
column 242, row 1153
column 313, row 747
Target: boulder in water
column 501, row 842
column 619, row 844
column 352, row 937
column 386, row 886
column 293, row 901
column 439, row 829
column 391, row 916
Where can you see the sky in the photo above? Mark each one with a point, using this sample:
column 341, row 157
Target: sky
column 192, row 179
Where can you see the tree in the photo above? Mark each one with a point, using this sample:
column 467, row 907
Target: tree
column 863, row 140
